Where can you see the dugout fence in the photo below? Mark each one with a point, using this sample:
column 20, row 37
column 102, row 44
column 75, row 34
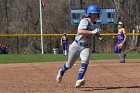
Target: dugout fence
column 31, row 43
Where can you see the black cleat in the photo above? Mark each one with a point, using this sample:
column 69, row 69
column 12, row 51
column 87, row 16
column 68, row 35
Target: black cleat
column 122, row 61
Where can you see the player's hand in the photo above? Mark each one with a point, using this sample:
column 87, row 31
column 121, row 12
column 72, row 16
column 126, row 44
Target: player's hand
column 97, row 30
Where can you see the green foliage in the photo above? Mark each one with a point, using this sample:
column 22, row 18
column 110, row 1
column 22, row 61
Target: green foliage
column 56, row 43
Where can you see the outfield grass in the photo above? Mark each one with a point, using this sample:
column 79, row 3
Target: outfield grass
column 30, row 58
column 111, row 56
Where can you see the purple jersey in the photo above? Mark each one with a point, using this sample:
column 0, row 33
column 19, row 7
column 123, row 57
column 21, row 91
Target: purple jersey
column 120, row 36
column 120, row 40
column 64, row 40
column 65, row 43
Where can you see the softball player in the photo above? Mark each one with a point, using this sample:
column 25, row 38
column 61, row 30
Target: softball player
column 64, row 43
column 121, row 44
column 82, row 45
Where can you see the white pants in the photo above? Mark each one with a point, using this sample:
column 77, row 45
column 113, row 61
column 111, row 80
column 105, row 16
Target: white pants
column 75, row 50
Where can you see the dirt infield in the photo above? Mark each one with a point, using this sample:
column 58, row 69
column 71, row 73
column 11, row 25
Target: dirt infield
column 101, row 77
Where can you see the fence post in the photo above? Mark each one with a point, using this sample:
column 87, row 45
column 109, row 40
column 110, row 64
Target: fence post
column 17, row 45
column 94, row 48
column 50, row 44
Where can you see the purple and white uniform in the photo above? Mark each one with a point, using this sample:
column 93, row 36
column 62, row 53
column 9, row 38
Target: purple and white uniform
column 120, row 40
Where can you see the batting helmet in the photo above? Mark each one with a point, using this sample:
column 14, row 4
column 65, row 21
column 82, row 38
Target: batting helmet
column 92, row 9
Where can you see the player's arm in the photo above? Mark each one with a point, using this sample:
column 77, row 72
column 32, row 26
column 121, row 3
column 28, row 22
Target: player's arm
column 85, row 32
column 94, row 32
column 82, row 28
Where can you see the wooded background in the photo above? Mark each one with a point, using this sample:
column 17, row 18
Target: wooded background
column 22, row 17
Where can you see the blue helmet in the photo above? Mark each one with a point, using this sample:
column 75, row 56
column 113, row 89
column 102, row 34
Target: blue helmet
column 92, row 9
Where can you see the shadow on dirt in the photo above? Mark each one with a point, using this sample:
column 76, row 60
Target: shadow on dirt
column 105, row 88
column 133, row 62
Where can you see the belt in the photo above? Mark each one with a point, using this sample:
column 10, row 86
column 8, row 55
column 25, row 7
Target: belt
column 82, row 44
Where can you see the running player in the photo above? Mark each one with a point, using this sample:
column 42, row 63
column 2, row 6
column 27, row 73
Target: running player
column 121, row 44
column 82, row 45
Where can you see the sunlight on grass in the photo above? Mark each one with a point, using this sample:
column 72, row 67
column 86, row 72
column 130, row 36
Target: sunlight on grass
column 30, row 58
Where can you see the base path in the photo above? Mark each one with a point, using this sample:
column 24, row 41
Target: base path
column 103, row 76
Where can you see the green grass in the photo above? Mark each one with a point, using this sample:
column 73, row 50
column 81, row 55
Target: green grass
column 111, row 56
column 30, row 58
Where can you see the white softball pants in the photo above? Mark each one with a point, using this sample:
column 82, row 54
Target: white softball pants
column 75, row 50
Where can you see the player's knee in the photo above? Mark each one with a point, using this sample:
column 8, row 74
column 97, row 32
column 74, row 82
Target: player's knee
column 68, row 65
column 85, row 61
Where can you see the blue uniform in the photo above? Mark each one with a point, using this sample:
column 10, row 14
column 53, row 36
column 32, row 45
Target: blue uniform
column 81, row 46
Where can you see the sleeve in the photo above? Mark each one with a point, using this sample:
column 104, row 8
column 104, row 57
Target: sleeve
column 83, row 24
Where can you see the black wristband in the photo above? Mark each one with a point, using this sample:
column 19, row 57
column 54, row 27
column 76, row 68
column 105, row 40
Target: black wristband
column 98, row 35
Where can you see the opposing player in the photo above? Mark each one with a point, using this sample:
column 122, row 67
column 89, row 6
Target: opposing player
column 82, row 45
column 64, row 44
column 121, row 44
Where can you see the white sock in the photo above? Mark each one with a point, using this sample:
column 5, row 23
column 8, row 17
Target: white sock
column 65, row 52
column 121, row 56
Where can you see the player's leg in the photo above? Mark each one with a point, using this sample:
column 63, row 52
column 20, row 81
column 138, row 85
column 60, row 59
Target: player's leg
column 117, row 49
column 72, row 56
column 84, row 55
column 124, row 50
column 66, row 50
column 63, row 46
column 70, row 62
column 120, row 52
column 123, row 54
column 74, row 52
